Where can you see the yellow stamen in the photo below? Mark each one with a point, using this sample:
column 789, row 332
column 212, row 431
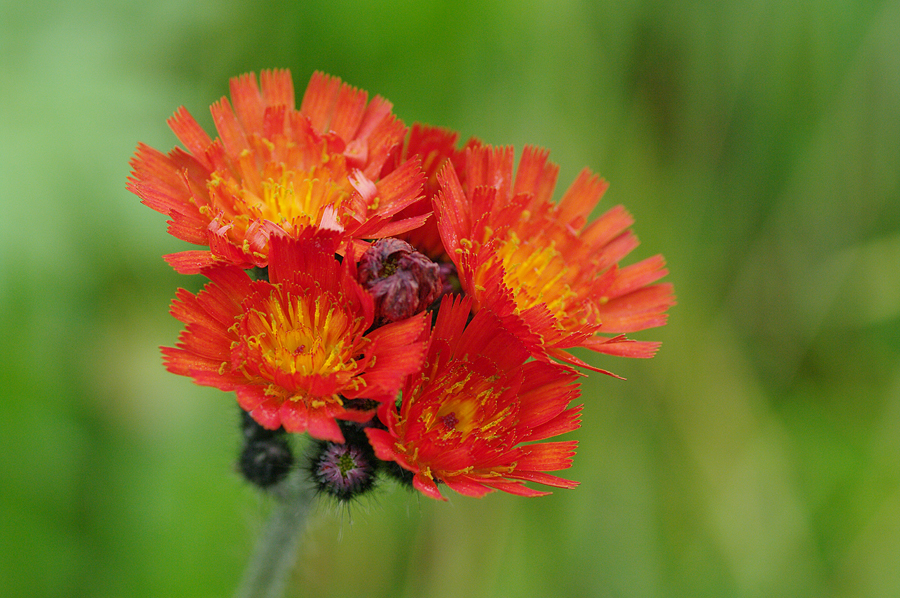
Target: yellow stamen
column 291, row 198
column 304, row 336
column 537, row 275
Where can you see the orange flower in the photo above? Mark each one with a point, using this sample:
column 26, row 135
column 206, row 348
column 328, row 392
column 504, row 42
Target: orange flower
column 434, row 147
column 277, row 170
column 465, row 417
column 296, row 347
column 526, row 258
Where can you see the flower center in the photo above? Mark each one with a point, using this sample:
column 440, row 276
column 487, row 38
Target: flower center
column 461, row 405
column 291, row 198
column 297, row 198
column 294, row 339
column 449, row 420
column 346, row 463
column 536, row 275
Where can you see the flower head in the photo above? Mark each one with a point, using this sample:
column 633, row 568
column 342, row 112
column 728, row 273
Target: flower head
column 528, row 259
column 276, row 170
column 465, row 418
column 296, row 347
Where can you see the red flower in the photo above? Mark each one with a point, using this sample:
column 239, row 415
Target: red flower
column 277, row 170
column 466, row 416
column 295, row 348
column 434, row 147
column 524, row 257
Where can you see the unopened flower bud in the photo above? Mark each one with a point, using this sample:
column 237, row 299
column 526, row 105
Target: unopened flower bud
column 266, row 462
column 266, row 457
column 344, row 471
column 402, row 281
column 397, row 473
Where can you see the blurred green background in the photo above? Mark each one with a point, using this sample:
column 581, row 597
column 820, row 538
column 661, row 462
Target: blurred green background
column 758, row 146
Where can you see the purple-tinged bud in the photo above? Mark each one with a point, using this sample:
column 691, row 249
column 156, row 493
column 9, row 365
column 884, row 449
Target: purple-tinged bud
column 402, row 281
column 343, row 470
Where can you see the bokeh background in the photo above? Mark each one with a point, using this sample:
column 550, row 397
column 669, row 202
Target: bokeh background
column 758, row 146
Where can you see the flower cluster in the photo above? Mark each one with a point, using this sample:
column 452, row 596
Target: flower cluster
column 408, row 301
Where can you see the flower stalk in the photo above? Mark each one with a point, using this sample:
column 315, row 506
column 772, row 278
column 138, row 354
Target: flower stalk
column 276, row 549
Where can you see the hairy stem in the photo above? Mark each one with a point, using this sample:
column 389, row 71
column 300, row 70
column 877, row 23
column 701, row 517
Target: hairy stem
column 275, row 552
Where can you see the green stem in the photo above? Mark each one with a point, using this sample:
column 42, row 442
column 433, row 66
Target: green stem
column 275, row 552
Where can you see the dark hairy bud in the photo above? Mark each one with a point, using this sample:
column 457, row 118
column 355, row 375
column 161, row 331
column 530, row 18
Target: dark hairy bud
column 346, row 470
column 266, row 457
